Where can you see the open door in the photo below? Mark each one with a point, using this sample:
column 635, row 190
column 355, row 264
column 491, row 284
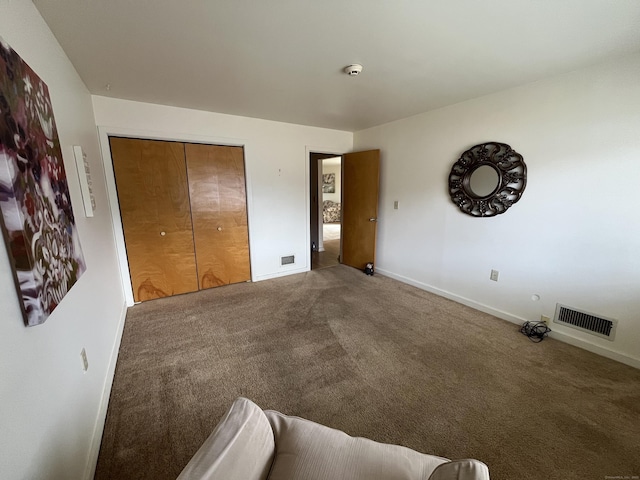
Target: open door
column 360, row 179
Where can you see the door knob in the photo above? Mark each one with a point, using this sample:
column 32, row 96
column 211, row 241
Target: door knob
column 162, row 234
column 219, row 229
column 373, row 219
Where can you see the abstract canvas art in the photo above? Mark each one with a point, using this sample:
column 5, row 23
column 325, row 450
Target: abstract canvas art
column 329, row 183
column 37, row 219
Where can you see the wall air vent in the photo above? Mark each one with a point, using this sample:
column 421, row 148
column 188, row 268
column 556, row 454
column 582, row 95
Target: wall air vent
column 587, row 322
column 287, row 260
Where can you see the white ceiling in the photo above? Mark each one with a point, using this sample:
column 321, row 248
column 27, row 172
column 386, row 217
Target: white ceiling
column 282, row 59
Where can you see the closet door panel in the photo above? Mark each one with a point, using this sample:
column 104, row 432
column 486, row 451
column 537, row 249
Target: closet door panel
column 154, row 205
column 219, row 212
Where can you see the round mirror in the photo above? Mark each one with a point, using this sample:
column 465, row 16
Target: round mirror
column 484, row 180
column 487, row 179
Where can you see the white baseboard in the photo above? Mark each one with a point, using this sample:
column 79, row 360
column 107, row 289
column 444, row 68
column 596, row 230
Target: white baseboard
column 98, row 429
column 598, row 350
column 292, row 271
column 563, row 337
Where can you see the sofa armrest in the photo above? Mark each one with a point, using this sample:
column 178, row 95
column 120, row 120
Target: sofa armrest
column 241, row 447
column 467, row 469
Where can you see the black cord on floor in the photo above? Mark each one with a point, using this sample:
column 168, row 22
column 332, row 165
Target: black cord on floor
column 536, row 331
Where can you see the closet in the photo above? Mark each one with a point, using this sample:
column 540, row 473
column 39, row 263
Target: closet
column 184, row 215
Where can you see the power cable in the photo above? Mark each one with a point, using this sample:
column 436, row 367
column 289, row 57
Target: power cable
column 536, row 331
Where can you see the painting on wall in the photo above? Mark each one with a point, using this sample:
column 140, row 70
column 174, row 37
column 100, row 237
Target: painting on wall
column 329, row 183
column 37, row 219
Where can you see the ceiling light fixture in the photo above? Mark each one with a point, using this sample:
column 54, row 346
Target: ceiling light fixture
column 353, row 70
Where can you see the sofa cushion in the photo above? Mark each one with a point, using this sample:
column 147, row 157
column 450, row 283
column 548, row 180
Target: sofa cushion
column 240, row 448
column 310, row 451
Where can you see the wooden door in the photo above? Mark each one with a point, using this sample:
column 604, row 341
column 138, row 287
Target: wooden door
column 219, row 212
column 360, row 179
column 154, row 205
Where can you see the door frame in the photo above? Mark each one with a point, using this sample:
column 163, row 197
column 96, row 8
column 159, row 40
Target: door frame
column 308, row 152
column 104, row 132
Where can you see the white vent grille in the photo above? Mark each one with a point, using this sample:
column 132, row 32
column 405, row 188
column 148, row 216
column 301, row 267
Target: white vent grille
column 585, row 321
column 287, row 260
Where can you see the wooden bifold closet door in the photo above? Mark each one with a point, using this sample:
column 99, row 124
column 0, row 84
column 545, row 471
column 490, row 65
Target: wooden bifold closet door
column 219, row 213
column 184, row 215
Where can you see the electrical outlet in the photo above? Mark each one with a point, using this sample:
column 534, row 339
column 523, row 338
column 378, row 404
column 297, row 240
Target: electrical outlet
column 545, row 319
column 85, row 362
column 396, row 204
column 494, row 275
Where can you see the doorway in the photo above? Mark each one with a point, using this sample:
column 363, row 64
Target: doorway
column 359, row 185
column 326, row 209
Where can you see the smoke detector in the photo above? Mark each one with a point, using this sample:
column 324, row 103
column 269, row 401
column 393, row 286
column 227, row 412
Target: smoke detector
column 353, row 70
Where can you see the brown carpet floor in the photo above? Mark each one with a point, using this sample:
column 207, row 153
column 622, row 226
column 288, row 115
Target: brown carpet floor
column 375, row 358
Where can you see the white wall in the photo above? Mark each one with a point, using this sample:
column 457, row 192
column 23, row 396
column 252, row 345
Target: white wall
column 573, row 238
column 276, row 163
column 49, row 407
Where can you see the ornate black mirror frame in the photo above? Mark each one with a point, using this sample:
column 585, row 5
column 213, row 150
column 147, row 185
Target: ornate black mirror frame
column 512, row 178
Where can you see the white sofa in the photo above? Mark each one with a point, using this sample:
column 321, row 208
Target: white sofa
column 251, row 444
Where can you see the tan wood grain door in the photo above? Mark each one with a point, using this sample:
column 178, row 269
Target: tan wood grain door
column 219, row 212
column 151, row 179
column 360, row 179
